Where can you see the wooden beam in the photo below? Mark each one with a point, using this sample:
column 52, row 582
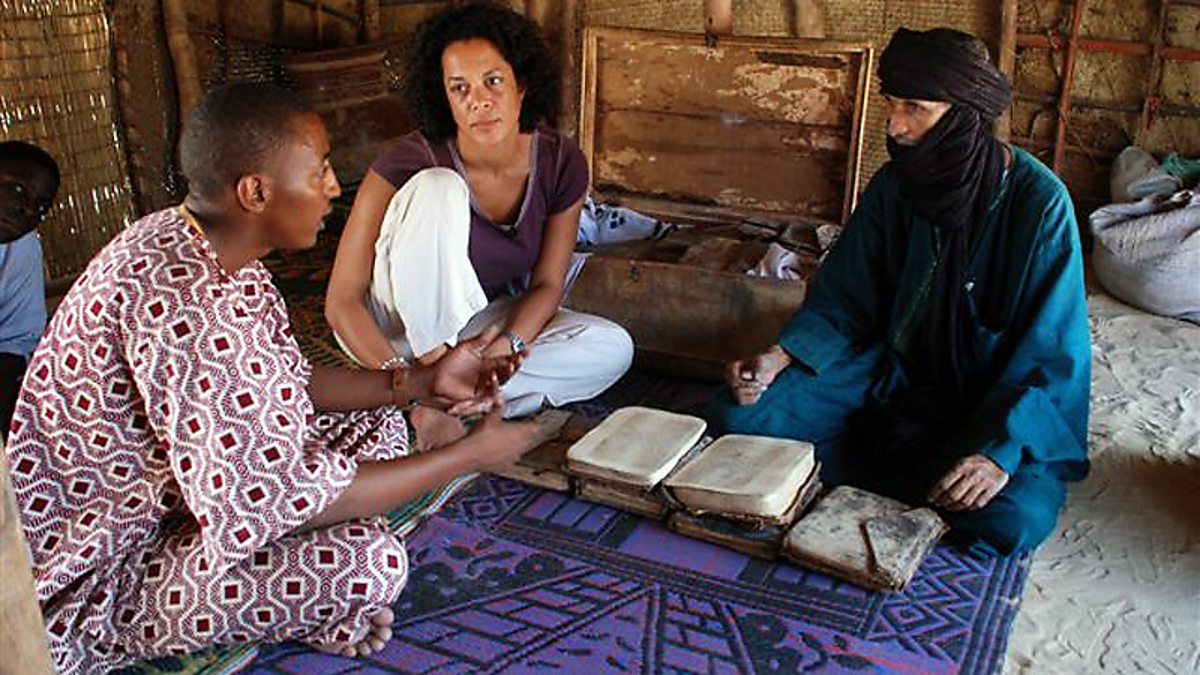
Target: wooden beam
column 1006, row 58
column 806, row 18
column 1108, row 46
column 1151, row 101
column 371, row 30
column 718, row 17
column 570, row 29
column 183, row 55
column 540, row 12
column 1068, row 81
column 23, row 638
column 1107, row 106
column 319, row 20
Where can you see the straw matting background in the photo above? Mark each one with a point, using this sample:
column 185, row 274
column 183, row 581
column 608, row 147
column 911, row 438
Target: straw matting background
column 56, row 91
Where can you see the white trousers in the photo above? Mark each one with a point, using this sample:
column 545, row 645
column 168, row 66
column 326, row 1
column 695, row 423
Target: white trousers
column 421, row 297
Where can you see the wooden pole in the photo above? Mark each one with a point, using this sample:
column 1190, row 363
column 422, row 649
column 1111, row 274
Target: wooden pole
column 1007, row 60
column 570, row 28
column 183, row 55
column 807, row 19
column 371, row 31
column 1109, row 47
column 1151, row 103
column 718, row 17
column 540, row 12
column 22, row 632
column 319, row 20
column 1068, row 81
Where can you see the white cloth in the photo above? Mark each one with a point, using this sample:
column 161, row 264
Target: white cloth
column 601, row 224
column 423, row 288
column 420, row 259
column 777, row 263
column 1147, row 253
column 575, row 357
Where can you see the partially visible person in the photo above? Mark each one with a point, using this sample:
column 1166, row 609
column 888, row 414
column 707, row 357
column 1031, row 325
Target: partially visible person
column 185, row 477
column 942, row 355
column 471, row 221
column 28, row 182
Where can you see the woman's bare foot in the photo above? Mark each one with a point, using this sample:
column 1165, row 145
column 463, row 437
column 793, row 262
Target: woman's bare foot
column 376, row 636
column 435, row 428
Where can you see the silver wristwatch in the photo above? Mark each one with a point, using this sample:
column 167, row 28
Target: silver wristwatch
column 518, row 345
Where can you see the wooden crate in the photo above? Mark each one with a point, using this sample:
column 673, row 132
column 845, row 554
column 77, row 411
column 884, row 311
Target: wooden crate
column 713, row 133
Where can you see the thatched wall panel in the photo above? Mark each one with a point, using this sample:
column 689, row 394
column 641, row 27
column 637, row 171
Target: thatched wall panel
column 1043, row 16
column 1183, row 26
column 1181, row 83
column 57, row 91
column 1128, row 20
column 1037, row 71
column 1112, row 78
column 1174, row 134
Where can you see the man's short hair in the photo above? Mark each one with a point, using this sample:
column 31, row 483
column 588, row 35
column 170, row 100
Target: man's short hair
column 235, row 130
column 20, row 151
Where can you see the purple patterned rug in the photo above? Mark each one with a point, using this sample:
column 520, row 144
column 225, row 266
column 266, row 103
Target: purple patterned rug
column 513, row 579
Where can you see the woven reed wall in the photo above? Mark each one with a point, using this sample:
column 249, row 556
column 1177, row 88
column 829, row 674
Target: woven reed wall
column 56, row 90
column 1108, row 90
column 860, row 20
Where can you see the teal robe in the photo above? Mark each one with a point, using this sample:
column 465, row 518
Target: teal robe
column 1027, row 363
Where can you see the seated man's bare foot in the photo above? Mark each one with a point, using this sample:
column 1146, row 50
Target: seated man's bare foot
column 435, row 428
column 376, row 636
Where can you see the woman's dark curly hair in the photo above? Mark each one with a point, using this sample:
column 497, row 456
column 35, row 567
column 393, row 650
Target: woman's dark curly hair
column 518, row 40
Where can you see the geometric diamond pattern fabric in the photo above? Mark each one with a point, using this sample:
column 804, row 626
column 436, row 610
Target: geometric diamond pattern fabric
column 163, row 450
column 509, row 578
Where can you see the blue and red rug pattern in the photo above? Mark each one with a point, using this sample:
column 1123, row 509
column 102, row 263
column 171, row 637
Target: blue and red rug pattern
column 513, row 579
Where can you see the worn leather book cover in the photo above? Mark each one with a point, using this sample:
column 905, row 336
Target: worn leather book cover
column 635, row 446
column 753, row 478
column 759, row 538
column 648, row 503
column 865, row 538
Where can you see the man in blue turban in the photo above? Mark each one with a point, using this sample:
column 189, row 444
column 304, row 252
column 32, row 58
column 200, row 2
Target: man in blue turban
column 942, row 355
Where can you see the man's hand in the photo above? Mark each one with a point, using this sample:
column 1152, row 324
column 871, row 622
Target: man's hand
column 750, row 378
column 969, row 485
column 498, row 442
column 464, row 374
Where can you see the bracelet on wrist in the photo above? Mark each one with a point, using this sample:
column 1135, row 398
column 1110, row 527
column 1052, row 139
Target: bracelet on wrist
column 401, row 398
column 393, row 362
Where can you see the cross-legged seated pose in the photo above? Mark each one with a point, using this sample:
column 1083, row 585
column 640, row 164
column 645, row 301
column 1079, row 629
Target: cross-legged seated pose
column 942, row 355
column 471, row 221
column 185, row 477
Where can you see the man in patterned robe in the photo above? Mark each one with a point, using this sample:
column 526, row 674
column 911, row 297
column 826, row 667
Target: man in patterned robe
column 185, row 477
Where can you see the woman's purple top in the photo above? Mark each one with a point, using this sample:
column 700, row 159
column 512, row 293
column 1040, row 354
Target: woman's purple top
column 501, row 253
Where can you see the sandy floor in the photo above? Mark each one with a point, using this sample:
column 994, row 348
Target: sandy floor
column 1117, row 587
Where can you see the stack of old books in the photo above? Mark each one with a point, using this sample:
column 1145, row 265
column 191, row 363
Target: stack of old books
column 749, row 493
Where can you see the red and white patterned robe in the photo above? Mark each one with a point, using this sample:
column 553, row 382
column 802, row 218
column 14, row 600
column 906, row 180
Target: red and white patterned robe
column 164, row 448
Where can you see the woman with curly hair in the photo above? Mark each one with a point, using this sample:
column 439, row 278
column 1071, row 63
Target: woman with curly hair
column 471, row 220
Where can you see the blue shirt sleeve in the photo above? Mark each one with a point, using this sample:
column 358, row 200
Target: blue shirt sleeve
column 22, row 295
column 843, row 306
